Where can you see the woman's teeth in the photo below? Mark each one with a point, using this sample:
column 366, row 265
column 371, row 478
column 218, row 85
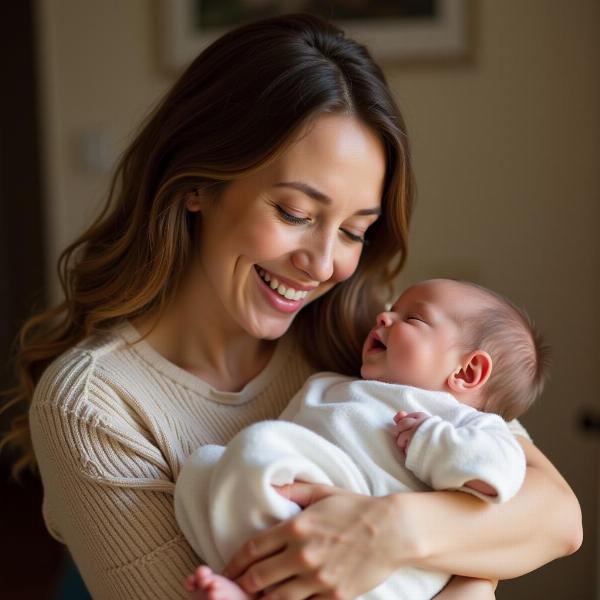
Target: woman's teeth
column 288, row 293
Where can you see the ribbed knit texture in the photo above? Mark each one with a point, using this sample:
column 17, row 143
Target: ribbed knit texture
column 112, row 422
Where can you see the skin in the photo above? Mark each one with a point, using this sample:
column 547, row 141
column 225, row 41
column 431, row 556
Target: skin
column 467, row 588
column 343, row 543
column 302, row 219
column 421, row 334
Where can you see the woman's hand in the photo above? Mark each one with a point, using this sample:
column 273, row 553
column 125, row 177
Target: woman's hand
column 338, row 547
column 345, row 544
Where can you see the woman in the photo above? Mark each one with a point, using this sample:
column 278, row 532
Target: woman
column 250, row 229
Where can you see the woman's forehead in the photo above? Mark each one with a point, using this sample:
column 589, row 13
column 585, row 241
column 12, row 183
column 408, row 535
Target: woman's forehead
column 337, row 156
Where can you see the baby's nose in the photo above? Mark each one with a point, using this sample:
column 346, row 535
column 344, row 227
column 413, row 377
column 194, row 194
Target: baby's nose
column 384, row 319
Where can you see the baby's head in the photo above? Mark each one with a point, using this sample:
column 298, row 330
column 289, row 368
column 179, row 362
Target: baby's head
column 458, row 337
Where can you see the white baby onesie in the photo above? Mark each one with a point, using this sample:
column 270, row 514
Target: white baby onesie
column 337, row 431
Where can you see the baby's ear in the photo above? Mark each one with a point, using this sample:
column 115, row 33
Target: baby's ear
column 472, row 374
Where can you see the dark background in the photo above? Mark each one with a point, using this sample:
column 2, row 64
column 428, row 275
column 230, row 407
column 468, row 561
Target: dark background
column 32, row 562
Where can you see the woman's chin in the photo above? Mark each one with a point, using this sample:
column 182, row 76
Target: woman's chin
column 270, row 329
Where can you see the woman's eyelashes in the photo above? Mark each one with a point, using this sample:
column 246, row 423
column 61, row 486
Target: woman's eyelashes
column 290, row 218
column 296, row 220
column 360, row 239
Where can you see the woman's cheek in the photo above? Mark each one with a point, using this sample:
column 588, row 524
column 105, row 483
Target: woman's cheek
column 347, row 264
column 267, row 240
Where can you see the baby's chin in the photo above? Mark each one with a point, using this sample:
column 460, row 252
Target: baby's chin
column 369, row 373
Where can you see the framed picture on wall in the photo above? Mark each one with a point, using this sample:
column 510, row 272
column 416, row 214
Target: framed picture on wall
column 396, row 31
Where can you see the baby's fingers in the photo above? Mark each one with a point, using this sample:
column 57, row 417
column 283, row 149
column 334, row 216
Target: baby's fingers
column 399, row 415
column 403, row 440
column 407, row 422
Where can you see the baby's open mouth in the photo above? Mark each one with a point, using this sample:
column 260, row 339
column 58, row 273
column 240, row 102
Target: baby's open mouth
column 379, row 344
column 375, row 343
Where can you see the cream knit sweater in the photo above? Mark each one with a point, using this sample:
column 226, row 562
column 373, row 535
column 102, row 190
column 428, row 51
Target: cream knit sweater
column 111, row 424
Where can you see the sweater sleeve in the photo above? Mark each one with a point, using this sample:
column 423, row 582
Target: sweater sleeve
column 108, row 495
column 476, row 445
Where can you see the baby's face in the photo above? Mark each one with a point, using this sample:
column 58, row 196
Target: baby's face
column 417, row 342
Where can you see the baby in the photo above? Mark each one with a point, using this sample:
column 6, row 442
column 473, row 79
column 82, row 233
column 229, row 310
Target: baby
column 441, row 370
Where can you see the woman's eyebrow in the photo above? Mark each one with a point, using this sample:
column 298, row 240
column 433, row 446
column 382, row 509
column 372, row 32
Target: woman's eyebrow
column 319, row 196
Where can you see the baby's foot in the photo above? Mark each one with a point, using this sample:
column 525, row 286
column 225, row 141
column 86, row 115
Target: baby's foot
column 204, row 584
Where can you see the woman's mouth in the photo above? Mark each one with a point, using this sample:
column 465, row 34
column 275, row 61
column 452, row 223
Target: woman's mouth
column 288, row 292
column 281, row 296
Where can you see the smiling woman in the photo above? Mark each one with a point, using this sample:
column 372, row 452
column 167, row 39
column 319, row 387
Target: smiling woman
column 305, row 236
column 250, row 231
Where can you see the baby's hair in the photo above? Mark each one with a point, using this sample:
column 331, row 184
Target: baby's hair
column 520, row 355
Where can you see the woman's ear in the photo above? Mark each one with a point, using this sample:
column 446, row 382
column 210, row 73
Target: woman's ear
column 194, row 202
column 473, row 374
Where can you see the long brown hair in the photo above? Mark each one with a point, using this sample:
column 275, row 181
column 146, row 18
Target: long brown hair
column 232, row 111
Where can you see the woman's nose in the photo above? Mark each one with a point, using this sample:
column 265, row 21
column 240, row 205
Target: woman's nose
column 317, row 259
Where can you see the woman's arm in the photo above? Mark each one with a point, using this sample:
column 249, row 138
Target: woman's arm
column 459, row 534
column 109, row 498
column 349, row 544
column 466, row 588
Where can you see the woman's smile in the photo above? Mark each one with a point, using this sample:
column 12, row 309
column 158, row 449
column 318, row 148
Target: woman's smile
column 286, row 287
column 279, row 293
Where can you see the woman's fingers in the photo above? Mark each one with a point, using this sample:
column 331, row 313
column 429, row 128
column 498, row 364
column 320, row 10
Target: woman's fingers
column 337, row 546
column 266, row 573
column 305, row 494
column 297, row 588
column 258, row 548
column 274, row 540
column 293, row 574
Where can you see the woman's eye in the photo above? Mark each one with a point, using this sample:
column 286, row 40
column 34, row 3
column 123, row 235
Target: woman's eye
column 290, row 218
column 353, row 237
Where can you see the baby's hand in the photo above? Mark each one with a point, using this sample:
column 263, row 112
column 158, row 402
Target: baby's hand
column 406, row 425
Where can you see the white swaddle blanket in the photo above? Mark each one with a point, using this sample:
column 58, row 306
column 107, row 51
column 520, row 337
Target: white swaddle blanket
column 337, row 431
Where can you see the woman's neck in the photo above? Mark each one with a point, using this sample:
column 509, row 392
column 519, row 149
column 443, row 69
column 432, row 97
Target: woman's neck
column 220, row 353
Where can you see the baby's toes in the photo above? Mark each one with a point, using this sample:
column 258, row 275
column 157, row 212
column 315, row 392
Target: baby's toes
column 204, row 576
column 190, row 583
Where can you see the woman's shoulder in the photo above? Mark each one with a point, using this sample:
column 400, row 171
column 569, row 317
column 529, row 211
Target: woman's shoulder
column 68, row 379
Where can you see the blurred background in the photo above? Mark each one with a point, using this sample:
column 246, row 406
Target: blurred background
column 506, row 146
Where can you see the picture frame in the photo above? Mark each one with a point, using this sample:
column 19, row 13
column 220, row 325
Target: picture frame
column 445, row 36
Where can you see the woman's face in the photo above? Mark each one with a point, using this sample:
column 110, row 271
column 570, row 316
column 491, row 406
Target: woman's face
column 281, row 237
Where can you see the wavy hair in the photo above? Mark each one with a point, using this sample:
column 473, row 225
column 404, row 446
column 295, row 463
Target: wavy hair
column 232, row 111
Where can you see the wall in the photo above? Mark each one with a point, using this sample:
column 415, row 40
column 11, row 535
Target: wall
column 506, row 154
column 506, row 149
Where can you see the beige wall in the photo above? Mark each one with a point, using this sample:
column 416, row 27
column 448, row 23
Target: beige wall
column 506, row 151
